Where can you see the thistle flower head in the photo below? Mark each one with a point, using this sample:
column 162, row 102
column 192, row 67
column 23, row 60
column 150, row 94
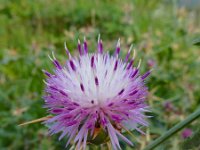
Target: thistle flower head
column 95, row 92
column 187, row 132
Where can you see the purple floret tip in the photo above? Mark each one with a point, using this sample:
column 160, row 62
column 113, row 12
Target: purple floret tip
column 100, row 45
column 79, row 47
column 117, row 48
column 85, row 46
column 146, row 74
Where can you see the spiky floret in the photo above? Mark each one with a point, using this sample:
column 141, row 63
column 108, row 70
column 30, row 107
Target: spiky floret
column 93, row 91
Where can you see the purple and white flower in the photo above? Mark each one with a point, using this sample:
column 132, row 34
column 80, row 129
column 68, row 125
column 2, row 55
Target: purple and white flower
column 187, row 132
column 95, row 91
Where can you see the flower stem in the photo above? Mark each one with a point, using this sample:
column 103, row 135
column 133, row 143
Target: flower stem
column 174, row 130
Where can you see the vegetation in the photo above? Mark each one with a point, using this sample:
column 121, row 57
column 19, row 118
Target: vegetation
column 161, row 31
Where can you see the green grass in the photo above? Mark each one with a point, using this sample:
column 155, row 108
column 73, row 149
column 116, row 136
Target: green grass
column 159, row 30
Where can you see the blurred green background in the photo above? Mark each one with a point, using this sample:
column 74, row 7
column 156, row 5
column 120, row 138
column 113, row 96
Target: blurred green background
column 163, row 33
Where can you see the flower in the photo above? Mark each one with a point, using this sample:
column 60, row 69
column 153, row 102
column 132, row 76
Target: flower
column 186, row 133
column 151, row 63
column 169, row 107
column 94, row 93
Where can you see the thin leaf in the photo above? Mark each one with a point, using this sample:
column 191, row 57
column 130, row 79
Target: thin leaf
column 196, row 42
column 36, row 120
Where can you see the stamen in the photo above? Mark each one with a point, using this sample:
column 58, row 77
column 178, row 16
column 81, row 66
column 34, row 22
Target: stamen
column 117, row 48
column 82, row 87
column 79, row 47
column 130, row 64
column 139, row 63
column 134, row 53
column 92, row 101
column 121, row 92
column 96, row 81
column 110, row 104
column 63, row 93
column 100, row 45
column 46, row 82
column 57, row 110
column 72, row 123
column 72, row 65
column 50, row 58
column 135, row 72
column 85, row 46
column 92, row 61
column 146, row 74
column 76, row 104
column 46, row 73
column 116, row 63
column 133, row 93
column 53, row 88
column 67, row 50
column 128, row 54
column 53, row 55
column 57, row 64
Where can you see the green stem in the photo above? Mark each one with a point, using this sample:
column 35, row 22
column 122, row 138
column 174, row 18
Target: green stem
column 173, row 130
